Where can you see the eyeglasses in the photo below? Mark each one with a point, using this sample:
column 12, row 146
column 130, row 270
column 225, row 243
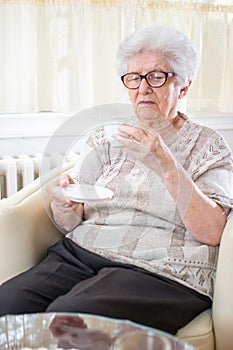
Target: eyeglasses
column 155, row 79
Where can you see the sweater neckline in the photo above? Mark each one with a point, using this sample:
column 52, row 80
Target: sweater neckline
column 180, row 133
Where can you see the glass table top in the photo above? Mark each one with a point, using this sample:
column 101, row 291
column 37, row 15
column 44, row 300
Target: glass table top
column 73, row 331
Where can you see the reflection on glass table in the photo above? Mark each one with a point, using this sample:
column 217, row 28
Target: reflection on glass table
column 81, row 332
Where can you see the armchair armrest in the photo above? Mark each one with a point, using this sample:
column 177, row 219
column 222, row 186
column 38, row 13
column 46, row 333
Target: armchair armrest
column 223, row 301
column 26, row 230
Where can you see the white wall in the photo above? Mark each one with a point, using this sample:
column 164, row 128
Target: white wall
column 30, row 134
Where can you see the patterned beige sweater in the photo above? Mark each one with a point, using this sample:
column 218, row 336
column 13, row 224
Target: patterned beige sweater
column 141, row 225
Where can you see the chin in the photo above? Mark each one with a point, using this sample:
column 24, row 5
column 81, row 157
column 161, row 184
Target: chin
column 146, row 112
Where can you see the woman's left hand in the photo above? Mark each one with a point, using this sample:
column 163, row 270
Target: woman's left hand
column 202, row 216
column 147, row 146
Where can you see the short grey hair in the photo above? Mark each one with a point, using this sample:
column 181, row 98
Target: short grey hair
column 178, row 51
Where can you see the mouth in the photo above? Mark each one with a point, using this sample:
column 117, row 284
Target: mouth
column 146, row 103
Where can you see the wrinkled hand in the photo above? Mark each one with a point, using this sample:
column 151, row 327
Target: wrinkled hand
column 67, row 214
column 147, row 146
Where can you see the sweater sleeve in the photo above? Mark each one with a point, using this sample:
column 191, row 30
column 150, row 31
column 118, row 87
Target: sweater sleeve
column 94, row 157
column 212, row 169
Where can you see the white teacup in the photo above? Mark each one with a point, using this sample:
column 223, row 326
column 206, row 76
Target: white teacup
column 112, row 128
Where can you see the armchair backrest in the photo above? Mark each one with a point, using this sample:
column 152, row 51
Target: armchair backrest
column 223, row 300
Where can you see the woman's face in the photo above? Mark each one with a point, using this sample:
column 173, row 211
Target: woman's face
column 163, row 100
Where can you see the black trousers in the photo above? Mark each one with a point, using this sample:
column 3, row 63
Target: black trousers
column 71, row 279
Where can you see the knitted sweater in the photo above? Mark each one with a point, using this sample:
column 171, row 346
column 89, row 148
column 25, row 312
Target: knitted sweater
column 141, row 225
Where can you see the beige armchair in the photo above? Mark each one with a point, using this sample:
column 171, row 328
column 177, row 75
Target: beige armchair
column 26, row 231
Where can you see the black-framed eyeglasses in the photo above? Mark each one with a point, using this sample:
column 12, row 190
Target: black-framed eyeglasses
column 155, row 79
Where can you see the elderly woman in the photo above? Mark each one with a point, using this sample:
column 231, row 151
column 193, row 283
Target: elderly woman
column 148, row 254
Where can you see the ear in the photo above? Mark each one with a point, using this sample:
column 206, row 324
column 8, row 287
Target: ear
column 184, row 90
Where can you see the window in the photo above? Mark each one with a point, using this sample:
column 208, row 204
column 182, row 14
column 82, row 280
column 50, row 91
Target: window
column 59, row 55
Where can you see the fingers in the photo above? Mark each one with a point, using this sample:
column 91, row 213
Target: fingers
column 65, row 180
column 64, row 204
column 58, row 198
column 67, row 216
column 128, row 134
column 139, row 135
column 145, row 146
column 56, row 186
column 62, row 181
column 69, row 205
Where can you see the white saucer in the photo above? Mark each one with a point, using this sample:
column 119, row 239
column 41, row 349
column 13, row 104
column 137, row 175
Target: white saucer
column 82, row 193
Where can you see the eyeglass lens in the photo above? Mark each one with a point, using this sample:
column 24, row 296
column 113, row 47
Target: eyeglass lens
column 154, row 79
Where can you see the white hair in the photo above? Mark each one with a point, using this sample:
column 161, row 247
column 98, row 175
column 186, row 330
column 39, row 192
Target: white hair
column 176, row 48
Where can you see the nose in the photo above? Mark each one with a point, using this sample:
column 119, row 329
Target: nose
column 144, row 87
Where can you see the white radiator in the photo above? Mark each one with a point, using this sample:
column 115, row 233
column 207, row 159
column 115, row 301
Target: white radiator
column 17, row 172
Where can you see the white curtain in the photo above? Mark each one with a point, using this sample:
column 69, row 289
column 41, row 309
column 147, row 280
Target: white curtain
column 59, row 55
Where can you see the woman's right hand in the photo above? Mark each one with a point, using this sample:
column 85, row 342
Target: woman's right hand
column 67, row 214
